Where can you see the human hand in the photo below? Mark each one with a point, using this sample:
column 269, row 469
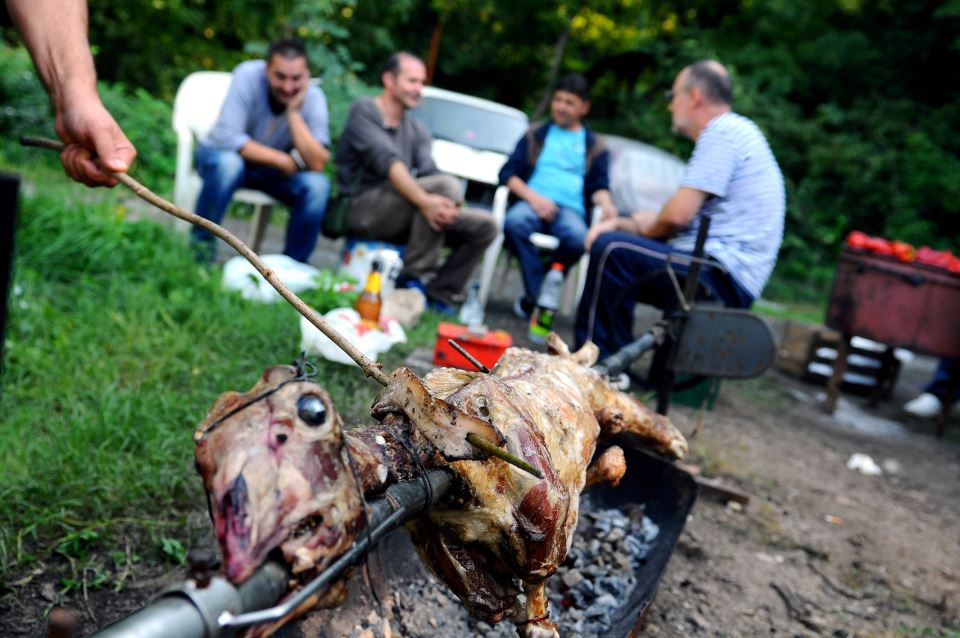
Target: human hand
column 94, row 142
column 287, row 164
column 545, row 208
column 440, row 211
column 605, row 226
column 608, row 211
column 296, row 102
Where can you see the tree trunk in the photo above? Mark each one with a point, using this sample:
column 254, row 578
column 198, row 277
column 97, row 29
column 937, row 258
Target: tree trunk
column 558, row 50
column 434, row 49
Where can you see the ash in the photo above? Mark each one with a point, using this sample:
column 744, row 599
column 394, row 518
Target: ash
column 597, row 578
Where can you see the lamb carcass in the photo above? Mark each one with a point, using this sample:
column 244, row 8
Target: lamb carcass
column 277, row 468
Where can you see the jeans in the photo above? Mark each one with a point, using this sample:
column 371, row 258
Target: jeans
column 948, row 371
column 306, row 193
column 568, row 226
column 625, row 270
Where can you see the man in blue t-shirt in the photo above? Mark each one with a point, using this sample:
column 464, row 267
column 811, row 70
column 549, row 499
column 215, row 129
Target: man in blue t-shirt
column 272, row 135
column 732, row 177
column 557, row 173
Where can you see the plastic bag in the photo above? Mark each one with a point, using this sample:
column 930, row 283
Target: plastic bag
column 346, row 321
column 358, row 256
column 239, row 274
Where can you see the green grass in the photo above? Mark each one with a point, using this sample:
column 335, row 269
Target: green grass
column 117, row 344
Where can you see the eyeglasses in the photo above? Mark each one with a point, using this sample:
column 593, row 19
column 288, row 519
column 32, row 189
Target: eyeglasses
column 668, row 95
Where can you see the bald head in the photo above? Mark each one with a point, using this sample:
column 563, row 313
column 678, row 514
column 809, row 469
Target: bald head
column 712, row 79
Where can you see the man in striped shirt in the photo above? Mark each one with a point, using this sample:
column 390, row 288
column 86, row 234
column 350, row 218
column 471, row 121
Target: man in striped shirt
column 732, row 177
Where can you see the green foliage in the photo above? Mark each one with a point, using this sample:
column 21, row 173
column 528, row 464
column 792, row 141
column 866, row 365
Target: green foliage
column 117, row 345
column 173, row 550
column 147, row 121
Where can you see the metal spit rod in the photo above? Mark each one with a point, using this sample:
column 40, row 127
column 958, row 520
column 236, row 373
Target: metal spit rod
column 221, row 609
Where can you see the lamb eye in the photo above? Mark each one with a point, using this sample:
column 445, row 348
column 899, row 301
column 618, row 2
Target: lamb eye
column 312, row 410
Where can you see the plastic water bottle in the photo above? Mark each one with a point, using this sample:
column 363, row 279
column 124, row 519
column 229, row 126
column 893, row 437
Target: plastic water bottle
column 471, row 312
column 541, row 321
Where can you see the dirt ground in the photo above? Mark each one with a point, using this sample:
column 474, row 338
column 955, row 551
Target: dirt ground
column 819, row 550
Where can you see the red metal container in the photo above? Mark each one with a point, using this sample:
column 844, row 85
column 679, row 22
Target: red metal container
column 907, row 305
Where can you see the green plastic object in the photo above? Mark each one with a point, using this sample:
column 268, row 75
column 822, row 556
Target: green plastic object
column 702, row 394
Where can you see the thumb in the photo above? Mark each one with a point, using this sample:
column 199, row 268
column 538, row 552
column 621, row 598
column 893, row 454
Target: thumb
column 115, row 151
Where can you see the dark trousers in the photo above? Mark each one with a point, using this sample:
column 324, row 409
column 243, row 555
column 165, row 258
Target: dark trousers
column 947, row 371
column 306, row 193
column 625, row 270
column 383, row 214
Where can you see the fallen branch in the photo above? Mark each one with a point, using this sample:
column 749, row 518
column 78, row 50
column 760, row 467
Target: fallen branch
column 371, row 368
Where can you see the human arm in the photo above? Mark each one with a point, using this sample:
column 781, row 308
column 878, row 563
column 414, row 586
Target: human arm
column 440, row 211
column 257, row 153
column 604, row 200
column 544, row 207
column 677, row 213
column 311, row 147
column 55, row 32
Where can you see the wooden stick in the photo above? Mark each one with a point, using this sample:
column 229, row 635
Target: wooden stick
column 469, row 357
column 371, row 368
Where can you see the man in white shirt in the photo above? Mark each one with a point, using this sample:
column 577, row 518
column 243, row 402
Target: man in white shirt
column 732, row 177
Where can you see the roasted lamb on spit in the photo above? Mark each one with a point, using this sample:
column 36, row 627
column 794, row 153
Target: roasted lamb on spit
column 284, row 479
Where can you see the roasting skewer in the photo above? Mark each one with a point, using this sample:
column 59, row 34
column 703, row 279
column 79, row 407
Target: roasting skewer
column 371, row 368
column 220, row 609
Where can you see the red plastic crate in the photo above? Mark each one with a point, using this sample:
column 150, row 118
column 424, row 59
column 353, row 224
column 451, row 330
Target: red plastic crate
column 486, row 347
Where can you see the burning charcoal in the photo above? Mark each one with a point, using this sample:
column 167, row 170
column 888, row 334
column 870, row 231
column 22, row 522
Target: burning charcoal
column 650, row 530
column 635, row 546
column 616, row 534
column 612, row 585
column 571, row 578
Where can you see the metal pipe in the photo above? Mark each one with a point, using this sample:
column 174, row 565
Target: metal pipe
column 222, row 609
column 622, row 358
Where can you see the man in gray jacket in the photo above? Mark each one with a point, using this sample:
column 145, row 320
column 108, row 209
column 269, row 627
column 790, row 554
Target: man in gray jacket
column 396, row 194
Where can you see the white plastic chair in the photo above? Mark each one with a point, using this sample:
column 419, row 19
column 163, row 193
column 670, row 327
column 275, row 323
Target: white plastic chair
column 195, row 111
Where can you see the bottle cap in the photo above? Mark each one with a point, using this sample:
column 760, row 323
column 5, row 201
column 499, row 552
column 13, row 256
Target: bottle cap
column 556, row 266
column 375, row 266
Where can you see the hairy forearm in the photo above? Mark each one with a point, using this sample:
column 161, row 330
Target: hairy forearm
column 55, row 32
column 401, row 179
column 258, row 153
column 314, row 154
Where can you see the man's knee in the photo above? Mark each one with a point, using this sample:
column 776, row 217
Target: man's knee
column 519, row 222
column 445, row 185
column 487, row 230
column 313, row 187
column 224, row 167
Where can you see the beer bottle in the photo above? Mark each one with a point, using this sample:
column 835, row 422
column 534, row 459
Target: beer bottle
column 368, row 305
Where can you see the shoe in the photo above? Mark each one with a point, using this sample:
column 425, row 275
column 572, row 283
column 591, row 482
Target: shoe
column 442, row 308
column 523, row 307
column 411, row 282
column 925, row 406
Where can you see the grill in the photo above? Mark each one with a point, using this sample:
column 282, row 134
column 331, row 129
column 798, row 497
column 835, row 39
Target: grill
column 905, row 305
column 666, row 493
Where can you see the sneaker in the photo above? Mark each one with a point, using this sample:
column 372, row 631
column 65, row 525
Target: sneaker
column 442, row 308
column 411, row 282
column 523, row 307
column 925, row 406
